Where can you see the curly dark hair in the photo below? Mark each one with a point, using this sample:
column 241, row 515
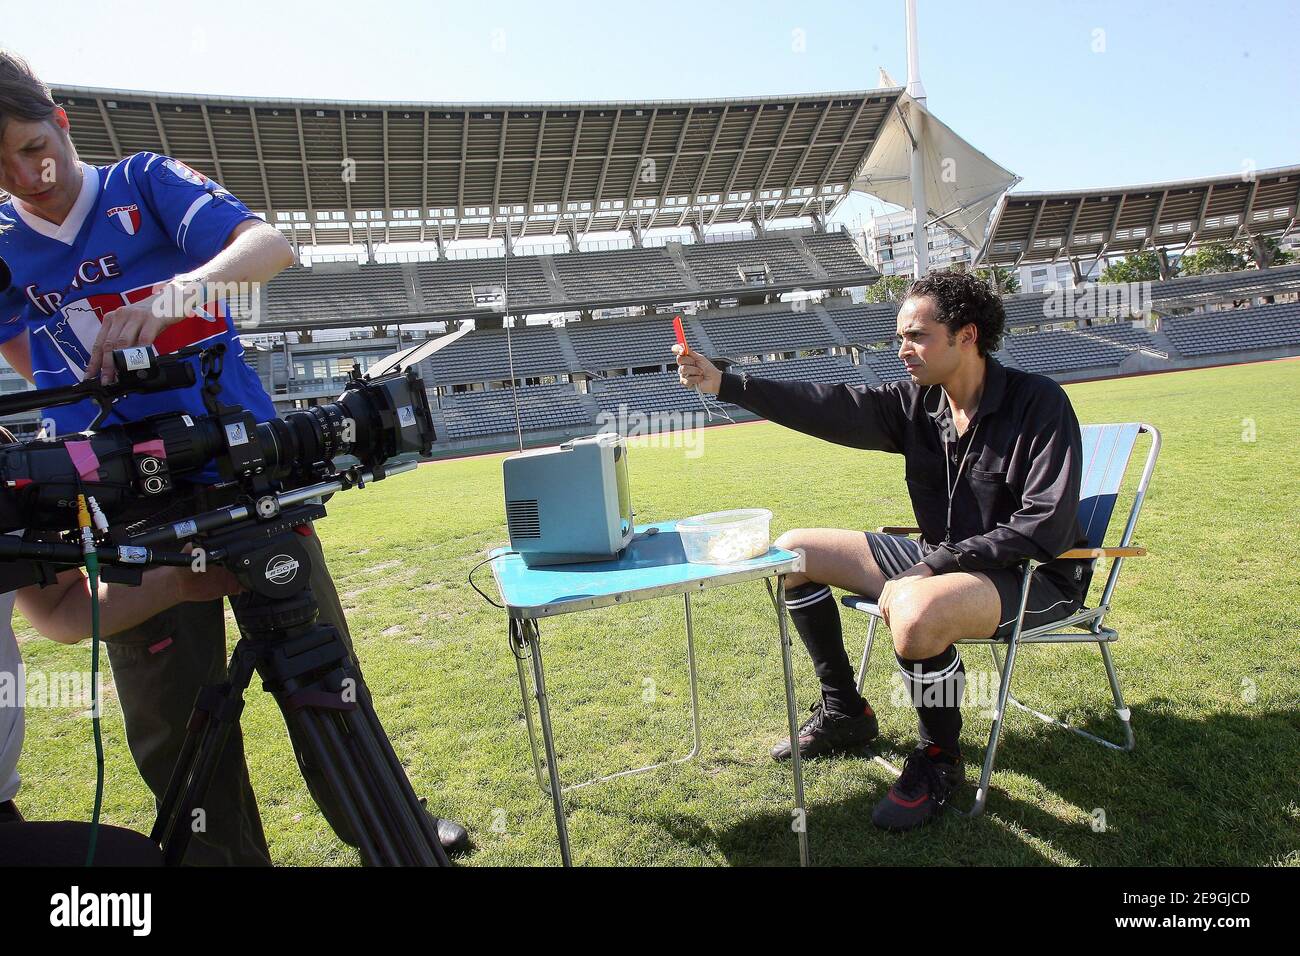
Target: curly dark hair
column 962, row 298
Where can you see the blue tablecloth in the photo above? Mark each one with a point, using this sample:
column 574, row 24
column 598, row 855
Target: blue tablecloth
column 653, row 565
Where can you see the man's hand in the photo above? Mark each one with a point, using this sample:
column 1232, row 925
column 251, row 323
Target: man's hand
column 891, row 588
column 138, row 323
column 207, row 585
column 695, row 371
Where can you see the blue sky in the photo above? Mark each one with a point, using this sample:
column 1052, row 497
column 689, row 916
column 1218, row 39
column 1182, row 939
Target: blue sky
column 1066, row 94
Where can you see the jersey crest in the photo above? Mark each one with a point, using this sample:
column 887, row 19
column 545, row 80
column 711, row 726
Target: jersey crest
column 126, row 218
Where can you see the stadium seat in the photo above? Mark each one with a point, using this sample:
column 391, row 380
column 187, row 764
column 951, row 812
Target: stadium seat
column 1106, row 453
column 823, row 369
column 750, row 332
column 1261, row 326
column 492, row 412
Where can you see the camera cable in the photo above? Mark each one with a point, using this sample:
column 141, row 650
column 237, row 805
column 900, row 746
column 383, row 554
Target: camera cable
column 92, row 574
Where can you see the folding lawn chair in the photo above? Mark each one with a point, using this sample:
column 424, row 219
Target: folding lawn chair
column 1106, row 453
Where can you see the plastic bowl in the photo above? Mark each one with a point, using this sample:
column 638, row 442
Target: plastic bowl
column 726, row 537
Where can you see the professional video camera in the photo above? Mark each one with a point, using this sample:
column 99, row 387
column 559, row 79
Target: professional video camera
column 273, row 477
column 132, row 470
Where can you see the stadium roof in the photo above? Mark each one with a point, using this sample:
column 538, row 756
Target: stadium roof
column 1089, row 223
column 338, row 171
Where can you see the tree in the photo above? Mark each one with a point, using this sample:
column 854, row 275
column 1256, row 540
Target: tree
column 1008, row 283
column 1212, row 257
column 1139, row 267
column 1274, row 253
column 888, row 289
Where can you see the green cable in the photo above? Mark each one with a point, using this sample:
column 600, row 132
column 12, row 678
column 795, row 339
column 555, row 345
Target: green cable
column 92, row 572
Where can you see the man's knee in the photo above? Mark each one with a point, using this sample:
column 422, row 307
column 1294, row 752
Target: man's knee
column 796, row 539
column 910, row 619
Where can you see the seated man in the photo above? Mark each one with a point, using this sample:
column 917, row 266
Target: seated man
column 993, row 470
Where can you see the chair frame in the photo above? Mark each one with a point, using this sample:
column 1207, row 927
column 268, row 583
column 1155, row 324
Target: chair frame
column 1090, row 619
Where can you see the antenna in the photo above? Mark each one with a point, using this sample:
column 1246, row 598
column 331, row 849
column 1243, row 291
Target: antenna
column 510, row 352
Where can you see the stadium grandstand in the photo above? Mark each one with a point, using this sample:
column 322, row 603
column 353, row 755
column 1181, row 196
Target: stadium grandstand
column 1097, row 224
column 414, row 219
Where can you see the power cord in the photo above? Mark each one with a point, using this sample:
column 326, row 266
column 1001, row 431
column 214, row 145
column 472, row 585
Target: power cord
column 513, row 624
column 487, row 560
column 92, row 573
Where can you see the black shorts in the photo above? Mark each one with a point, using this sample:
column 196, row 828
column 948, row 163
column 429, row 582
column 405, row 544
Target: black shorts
column 896, row 554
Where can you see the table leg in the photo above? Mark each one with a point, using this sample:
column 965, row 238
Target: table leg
column 801, row 816
column 544, row 710
column 695, row 693
column 519, row 648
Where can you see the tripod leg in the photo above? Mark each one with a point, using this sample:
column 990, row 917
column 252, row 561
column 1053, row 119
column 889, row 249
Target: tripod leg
column 207, row 701
column 348, row 743
column 427, row 823
column 331, row 755
column 216, row 713
column 393, row 790
column 308, row 667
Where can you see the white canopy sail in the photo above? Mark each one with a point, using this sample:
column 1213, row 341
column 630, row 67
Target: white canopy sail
column 962, row 185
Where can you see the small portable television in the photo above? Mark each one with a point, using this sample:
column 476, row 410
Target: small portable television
column 569, row 503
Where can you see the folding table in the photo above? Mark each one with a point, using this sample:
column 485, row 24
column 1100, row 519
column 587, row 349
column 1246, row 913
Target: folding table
column 654, row 565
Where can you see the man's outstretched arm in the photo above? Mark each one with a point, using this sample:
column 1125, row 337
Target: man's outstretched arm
column 254, row 252
column 852, row 415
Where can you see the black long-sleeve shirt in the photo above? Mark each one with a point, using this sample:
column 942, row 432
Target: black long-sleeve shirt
column 1014, row 473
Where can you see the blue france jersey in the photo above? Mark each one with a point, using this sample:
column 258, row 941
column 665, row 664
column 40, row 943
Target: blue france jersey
column 138, row 222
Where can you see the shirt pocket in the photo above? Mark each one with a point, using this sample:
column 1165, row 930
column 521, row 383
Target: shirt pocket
column 993, row 495
column 924, row 477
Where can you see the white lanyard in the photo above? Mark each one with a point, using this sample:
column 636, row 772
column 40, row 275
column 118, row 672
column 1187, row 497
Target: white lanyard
column 949, row 483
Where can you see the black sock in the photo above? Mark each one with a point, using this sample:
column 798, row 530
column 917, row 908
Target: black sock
column 935, row 686
column 817, row 619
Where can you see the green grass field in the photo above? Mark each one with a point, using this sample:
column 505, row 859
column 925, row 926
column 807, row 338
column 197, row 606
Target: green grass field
column 1208, row 653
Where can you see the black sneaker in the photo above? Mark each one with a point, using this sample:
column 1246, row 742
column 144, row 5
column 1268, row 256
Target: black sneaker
column 453, row 837
column 919, row 794
column 824, row 733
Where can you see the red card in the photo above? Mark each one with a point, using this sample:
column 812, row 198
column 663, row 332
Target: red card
column 681, row 334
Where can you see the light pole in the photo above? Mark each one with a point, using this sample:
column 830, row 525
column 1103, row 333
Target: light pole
column 916, row 90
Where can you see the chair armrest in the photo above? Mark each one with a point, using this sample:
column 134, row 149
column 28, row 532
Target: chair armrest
column 1076, row 553
column 898, row 529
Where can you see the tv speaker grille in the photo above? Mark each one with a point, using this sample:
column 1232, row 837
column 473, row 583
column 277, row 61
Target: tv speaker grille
column 523, row 519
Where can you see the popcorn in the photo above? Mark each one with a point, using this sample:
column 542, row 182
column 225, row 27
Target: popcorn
column 726, row 537
column 741, row 544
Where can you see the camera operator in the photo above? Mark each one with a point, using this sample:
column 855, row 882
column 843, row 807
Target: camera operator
column 61, row 612
column 128, row 254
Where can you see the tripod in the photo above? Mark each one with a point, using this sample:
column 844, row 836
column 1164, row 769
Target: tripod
column 320, row 692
